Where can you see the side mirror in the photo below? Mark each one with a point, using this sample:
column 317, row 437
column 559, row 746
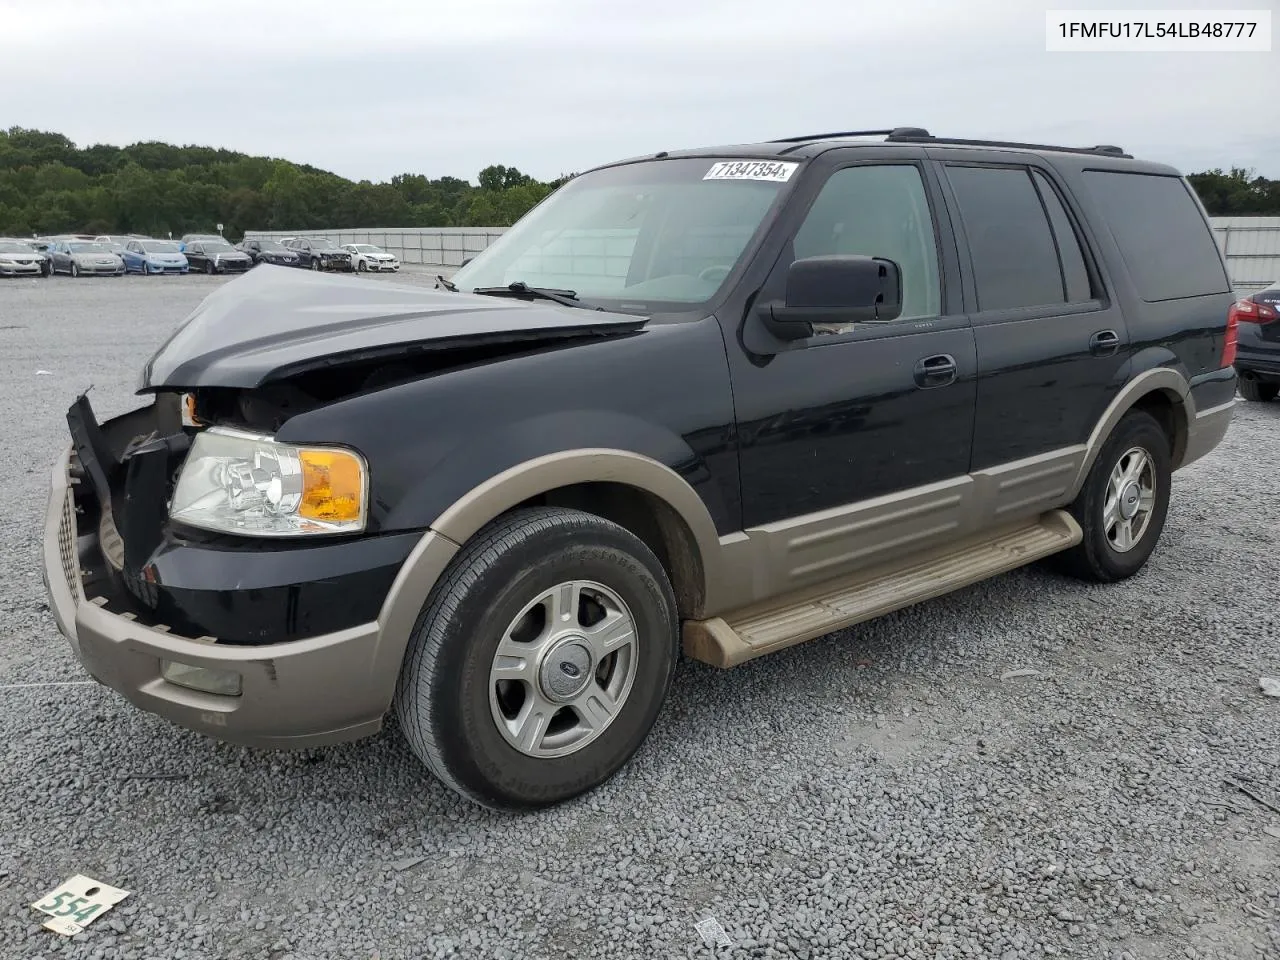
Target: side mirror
column 840, row 288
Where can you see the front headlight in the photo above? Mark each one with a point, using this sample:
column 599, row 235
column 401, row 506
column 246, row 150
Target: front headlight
column 248, row 484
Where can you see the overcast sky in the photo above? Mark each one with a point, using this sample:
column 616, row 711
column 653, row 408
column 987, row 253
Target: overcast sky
column 372, row 88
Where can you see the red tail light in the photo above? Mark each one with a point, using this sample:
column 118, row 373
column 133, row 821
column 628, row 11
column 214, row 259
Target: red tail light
column 1239, row 309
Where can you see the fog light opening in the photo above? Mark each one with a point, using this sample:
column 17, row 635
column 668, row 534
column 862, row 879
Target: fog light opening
column 225, row 683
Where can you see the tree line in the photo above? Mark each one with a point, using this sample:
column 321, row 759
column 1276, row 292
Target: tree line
column 49, row 185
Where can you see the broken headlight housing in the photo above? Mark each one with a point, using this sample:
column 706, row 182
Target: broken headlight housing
column 245, row 483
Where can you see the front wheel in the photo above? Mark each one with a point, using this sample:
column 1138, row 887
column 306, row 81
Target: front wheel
column 1123, row 503
column 209, row 268
column 541, row 659
column 1258, row 392
column 315, row 264
column 75, row 269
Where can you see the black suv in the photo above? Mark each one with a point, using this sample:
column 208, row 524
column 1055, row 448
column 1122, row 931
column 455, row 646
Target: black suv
column 1256, row 320
column 722, row 400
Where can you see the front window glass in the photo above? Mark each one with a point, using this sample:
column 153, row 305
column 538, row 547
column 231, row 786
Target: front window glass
column 214, row 246
column 89, row 246
column 323, row 245
column 269, row 246
column 6, row 247
column 159, row 246
column 658, row 234
column 878, row 211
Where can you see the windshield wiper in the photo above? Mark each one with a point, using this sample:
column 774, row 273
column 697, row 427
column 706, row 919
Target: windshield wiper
column 521, row 289
column 447, row 284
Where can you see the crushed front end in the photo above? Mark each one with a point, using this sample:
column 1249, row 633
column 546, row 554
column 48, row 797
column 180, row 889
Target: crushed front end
column 267, row 642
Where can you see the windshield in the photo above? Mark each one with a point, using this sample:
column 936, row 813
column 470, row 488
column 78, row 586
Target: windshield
column 274, row 246
column 159, row 246
column 216, row 246
column 364, row 248
column 323, row 245
column 660, row 234
column 89, row 246
column 9, row 247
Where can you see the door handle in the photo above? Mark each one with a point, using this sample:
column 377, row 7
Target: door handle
column 1104, row 343
column 937, row 371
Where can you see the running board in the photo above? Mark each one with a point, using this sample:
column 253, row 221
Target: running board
column 816, row 611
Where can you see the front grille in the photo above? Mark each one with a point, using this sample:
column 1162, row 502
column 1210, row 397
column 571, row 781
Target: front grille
column 67, row 545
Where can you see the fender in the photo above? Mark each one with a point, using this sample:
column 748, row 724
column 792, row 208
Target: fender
column 466, row 515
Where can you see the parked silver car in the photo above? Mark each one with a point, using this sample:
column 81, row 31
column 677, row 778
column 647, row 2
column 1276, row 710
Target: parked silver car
column 18, row 259
column 81, row 257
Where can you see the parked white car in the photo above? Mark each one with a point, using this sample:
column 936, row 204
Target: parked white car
column 366, row 256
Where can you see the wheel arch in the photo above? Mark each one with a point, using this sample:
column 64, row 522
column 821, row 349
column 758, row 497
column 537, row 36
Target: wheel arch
column 1162, row 392
column 640, row 494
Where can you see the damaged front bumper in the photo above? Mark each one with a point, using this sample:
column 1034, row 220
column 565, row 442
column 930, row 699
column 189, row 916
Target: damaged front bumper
column 323, row 687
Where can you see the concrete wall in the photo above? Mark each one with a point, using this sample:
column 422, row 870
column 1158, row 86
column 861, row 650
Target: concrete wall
column 1252, row 245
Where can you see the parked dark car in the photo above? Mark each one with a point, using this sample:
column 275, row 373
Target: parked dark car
column 269, row 251
column 321, row 254
column 216, row 256
column 1257, row 359
column 721, row 401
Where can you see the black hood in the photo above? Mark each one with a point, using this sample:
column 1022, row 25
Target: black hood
column 272, row 324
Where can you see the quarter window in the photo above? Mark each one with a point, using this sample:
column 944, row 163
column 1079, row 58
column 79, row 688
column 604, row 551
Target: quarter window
column 1167, row 246
column 878, row 211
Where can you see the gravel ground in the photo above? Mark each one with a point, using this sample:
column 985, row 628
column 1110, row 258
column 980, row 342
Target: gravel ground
column 887, row 792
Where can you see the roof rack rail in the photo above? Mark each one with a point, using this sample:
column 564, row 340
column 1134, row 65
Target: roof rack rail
column 903, row 131
column 913, row 136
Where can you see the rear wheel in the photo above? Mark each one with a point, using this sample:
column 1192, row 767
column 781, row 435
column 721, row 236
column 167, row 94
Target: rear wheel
column 1123, row 503
column 541, row 659
column 1259, row 392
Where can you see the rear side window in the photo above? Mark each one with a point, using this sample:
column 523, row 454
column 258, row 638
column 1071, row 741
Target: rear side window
column 1075, row 275
column 1167, row 247
column 1015, row 259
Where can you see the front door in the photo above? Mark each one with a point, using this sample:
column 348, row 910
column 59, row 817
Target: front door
column 854, row 444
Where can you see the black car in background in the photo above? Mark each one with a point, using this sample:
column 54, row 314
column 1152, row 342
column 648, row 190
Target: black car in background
column 216, row 256
column 270, row 251
column 321, row 254
column 1257, row 360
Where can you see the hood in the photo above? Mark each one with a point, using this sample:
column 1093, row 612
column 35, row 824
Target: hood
column 22, row 257
column 268, row 325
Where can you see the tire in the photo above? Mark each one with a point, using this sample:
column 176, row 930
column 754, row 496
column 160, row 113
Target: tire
column 363, row 266
column 449, row 702
column 209, row 268
column 1258, row 392
column 1101, row 556
column 75, row 269
column 315, row 264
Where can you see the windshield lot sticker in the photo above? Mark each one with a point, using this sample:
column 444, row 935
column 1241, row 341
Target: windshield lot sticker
column 751, row 170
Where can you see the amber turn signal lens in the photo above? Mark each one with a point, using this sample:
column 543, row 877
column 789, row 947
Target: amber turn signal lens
column 332, row 485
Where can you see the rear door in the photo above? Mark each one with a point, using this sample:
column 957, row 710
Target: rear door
column 1052, row 347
